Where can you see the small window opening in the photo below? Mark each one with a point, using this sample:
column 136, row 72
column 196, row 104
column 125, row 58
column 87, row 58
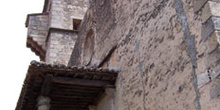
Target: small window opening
column 76, row 23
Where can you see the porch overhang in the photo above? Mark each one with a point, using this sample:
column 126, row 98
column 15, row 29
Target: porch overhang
column 69, row 88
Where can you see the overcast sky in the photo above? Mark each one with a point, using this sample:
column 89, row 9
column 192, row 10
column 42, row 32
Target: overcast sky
column 14, row 57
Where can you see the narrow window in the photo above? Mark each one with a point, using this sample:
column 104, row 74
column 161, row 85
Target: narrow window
column 76, row 23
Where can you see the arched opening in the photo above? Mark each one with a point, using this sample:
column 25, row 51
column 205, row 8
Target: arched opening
column 88, row 47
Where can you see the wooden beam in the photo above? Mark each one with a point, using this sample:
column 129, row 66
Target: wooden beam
column 68, row 108
column 82, row 82
column 70, row 100
column 70, row 86
column 46, row 87
column 70, row 91
column 72, row 97
column 74, row 94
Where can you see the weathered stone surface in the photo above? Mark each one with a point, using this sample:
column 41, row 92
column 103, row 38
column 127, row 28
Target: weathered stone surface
column 160, row 46
column 107, row 103
column 208, row 57
column 211, row 54
column 203, row 79
column 210, row 9
column 37, row 25
column 210, row 26
column 215, row 90
column 155, row 69
column 212, row 42
column 60, row 46
column 210, row 96
column 198, row 4
column 63, row 11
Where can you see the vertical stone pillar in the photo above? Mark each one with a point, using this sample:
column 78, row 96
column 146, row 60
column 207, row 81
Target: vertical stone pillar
column 43, row 103
column 110, row 92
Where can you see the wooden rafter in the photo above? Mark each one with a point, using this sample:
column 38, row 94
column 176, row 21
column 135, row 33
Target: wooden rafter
column 81, row 82
column 69, row 88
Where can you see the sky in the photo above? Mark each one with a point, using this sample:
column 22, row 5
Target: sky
column 14, row 56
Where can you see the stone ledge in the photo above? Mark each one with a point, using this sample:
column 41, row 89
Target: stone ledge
column 208, row 76
column 212, row 59
column 213, row 42
column 198, row 4
column 31, row 15
column 210, row 26
column 203, row 79
column 210, row 9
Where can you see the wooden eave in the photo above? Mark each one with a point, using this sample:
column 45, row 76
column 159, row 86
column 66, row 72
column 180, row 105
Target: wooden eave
column 70, row 88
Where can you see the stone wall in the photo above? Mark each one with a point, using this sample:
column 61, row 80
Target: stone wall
column 208, row 69
column 59, row 46
column 37, row 25
column 107, row 103
column 160, row 49
column 63, row 11
column 50, row 32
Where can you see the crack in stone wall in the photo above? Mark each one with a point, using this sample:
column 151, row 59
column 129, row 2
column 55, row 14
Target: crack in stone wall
column 156, row 72
column 191, row 51
column 137, row 45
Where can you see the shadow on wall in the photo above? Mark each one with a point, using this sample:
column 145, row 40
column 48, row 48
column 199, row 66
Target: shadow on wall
column 88, row 48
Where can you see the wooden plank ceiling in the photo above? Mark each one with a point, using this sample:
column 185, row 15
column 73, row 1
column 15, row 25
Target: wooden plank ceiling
column 69, row 88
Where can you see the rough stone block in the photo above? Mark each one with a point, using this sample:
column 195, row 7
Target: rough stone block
column 218, row 36
column 215, row 72
column 198, row 4
column 215, row 89
column 213, row 58
column 110, row 91
column 203, row 79
column 210, row 26
column 65, row 10
column 53, row 55
column 210, row 9
column 212, row 42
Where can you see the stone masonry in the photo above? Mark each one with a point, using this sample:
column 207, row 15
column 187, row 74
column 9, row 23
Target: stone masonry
column 60, row 46
column 167, row 52
column 37, row 25
column 38, row 28
column 208, row 54
column 63, row 11
column 51, row 34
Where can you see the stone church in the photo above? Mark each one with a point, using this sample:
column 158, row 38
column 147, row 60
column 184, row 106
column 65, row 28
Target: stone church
column 123, row 55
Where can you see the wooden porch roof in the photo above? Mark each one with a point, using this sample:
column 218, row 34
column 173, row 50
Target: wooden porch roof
column 69, row 88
